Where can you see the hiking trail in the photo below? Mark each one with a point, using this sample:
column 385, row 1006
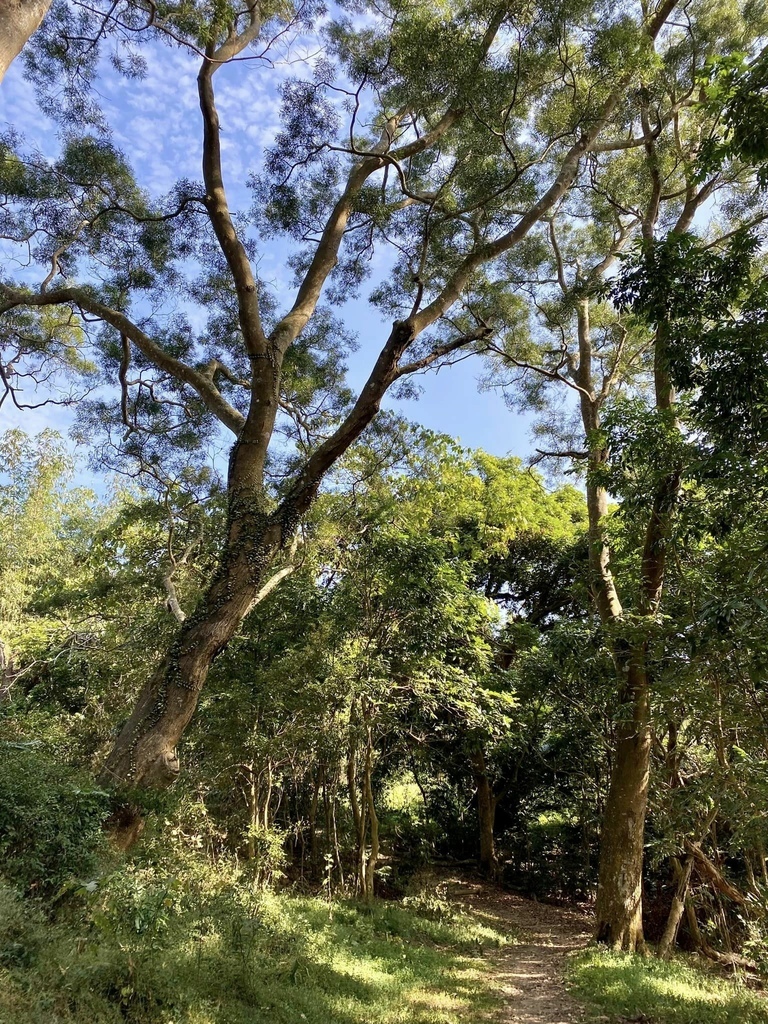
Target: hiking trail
column 529, row 974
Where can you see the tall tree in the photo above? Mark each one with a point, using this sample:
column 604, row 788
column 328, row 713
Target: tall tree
column 651, row 191
column 466, row 155
column 19, row 19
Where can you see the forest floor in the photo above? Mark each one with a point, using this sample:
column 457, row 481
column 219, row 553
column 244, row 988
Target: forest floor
column 529, row 974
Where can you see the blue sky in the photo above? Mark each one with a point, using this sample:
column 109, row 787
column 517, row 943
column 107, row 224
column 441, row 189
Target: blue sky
column 155, row 121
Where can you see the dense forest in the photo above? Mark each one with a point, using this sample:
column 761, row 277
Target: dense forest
column 299, row 696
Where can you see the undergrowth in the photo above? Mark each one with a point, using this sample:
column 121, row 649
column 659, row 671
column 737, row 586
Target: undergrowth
column 191, row 942
column 621, row 987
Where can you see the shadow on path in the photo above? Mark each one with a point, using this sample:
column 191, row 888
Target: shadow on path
column 530, row 974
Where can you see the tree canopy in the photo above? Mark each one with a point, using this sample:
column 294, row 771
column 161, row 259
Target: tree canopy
column 299, row 628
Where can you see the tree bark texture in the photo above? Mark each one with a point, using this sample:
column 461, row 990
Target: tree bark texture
column 19, row 19
column 619, row 910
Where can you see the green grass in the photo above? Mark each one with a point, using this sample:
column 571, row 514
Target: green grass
column 238, row 957
column 618, row 987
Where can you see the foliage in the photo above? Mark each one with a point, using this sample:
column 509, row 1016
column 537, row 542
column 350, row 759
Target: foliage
column 50, row 821
column 182, row 939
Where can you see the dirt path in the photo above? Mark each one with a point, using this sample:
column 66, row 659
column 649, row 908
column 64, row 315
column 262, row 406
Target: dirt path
column 529, row 974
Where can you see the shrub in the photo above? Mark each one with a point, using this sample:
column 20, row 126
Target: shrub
column 21, row 928
column 50, row 822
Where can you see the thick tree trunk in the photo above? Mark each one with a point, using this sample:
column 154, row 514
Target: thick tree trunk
column 619, row 909
column 144, row 754
column 19, row 19
column 486, row 813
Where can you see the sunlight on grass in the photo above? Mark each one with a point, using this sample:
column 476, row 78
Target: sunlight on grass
column 261, row 959
column 674, row 992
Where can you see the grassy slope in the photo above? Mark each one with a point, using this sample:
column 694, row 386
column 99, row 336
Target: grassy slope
column 185, row 941
column 279, row 959
column 619, row 987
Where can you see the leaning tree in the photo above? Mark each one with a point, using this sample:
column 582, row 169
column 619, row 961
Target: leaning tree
column 437, row 138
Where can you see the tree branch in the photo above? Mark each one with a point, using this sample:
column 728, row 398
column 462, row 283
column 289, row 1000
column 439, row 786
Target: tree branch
column 204, row 386
column 216, row 197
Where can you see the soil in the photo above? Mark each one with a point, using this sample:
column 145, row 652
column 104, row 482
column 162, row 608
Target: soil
column 530, row 974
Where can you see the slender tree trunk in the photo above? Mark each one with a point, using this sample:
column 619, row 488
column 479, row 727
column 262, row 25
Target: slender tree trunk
column 677, row 909
column 373, row 856
column 751, row 879
column 313, row 858
column 619, row 908
column 619, row 895
column 486, row 813
column 336, row 846
column 19, row 19
column 253, row 811
column 760, row 850
column 7, row 674
column 358, row 816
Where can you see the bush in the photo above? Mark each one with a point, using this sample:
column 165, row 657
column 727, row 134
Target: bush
column 50, row 823
column 21, row 928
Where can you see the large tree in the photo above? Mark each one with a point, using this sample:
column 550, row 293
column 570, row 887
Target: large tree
column 581, row 342
column 480, row 120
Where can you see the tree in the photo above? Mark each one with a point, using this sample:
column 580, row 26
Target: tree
column 463, row 161
column 654, row 191
column 18, row 20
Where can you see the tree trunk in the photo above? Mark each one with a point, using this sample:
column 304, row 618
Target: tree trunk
column 677, row 909
column 358, row 813
column 7, row 674
column 19, row 19
column 486, row 813
column 144, row 754
column 252, row 797
column 313, row 854
column 619, row 909
column 760, row 850
column 373, row 856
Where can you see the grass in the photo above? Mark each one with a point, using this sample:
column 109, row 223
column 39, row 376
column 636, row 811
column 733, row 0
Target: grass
column 236, row 957
column 619, row 987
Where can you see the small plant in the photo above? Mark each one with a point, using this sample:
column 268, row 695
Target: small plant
column 431, row 900
column 328, row 883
